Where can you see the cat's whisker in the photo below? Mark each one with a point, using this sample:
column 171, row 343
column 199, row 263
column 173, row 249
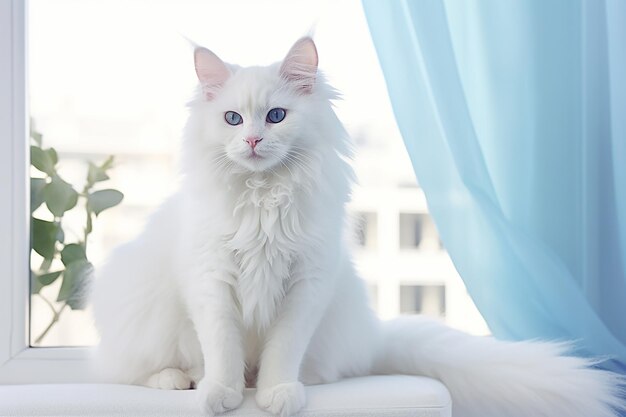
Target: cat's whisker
column 222, row 164
column 305, row 157
column 301, row 157
column 218, row 160
column 300, row 163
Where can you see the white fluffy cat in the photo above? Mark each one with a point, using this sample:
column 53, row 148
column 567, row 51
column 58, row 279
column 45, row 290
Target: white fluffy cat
column 244, row 278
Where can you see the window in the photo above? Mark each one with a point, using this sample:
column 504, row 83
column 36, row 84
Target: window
column 417, row 231
column 19, row 363
column 103, row 101
column 423, row 299
column 411, row 230
column 366, row 225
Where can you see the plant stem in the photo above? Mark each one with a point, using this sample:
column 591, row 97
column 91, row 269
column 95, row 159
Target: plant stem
column 45, row 265
column 86, row 234
column 49, row 303
column 55, row 318
column 88, row 224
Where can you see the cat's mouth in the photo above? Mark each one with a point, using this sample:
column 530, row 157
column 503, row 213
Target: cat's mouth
column 255, row 160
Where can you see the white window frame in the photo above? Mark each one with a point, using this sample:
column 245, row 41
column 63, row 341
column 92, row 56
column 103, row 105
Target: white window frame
column 19, row 362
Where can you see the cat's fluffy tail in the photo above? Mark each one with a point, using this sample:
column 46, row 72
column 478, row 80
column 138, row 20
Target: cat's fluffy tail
column 492, row 378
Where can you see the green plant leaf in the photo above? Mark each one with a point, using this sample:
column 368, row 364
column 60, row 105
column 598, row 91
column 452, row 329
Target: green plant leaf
column 44, row 235
column 37, row 137
column 60, row 234
column 36, row 195
column 35, row 285
column 75, row 282
column 72, row 253
column 53, row 155
column 49, row 278
column 40, row 281
column 59, row 196
column 89, row 227
column 41, row 160
column 108, row 163
column 101, row 200
column 96, row 174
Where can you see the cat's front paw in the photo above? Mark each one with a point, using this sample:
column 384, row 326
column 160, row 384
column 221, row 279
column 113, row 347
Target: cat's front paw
column 283, row 400
column 170, row 378
column 215, row 398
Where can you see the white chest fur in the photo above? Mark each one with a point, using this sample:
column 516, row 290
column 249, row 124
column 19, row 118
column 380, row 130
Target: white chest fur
column 264, row 243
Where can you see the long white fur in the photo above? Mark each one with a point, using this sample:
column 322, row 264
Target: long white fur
column 244, row 276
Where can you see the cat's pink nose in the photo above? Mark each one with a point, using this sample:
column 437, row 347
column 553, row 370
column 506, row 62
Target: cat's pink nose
column 253, row 141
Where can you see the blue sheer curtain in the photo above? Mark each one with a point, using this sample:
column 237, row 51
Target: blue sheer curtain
column 514, row 115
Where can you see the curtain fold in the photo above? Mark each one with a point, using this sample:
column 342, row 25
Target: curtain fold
column 513, row 116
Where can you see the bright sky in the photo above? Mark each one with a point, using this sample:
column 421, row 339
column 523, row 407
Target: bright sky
column 126, row 59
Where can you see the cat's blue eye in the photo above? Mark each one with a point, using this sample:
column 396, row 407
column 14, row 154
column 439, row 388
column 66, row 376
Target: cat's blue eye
column 233, row 118
column 276, row 115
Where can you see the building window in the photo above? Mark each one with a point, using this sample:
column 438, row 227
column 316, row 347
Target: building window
column 417, row 231
column 366, row 229
column 423, row 299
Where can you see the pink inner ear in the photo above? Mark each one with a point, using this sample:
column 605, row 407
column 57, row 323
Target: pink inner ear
column 210, row 69
column 300, row 65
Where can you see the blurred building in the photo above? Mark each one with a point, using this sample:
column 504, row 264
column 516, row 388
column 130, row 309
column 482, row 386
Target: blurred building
column 398, row 251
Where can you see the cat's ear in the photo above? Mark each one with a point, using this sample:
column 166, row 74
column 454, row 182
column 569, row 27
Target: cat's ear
column 211, row 71
column 300, row 65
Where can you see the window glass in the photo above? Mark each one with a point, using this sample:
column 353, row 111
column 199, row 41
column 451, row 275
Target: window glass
column 366, row 225
column 112, row 78
column 417, row 231
column 423, row 299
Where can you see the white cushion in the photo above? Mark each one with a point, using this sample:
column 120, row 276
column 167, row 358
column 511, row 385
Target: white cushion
column 376, row 396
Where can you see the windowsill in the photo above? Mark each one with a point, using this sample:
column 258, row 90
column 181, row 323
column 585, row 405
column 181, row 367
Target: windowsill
column 383, row 395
